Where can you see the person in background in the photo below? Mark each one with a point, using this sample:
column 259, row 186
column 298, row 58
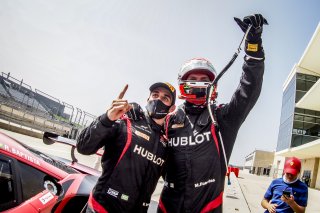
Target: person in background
column 287, row 194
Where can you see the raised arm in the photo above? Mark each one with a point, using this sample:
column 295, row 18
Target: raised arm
column 104, row 128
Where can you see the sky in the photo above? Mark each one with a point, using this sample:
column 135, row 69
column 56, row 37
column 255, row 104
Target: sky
column 83, row 52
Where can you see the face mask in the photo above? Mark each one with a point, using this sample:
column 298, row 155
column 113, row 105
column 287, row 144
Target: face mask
column 157, row 109
column 288, row 182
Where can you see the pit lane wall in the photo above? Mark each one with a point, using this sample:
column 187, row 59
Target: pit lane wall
column 19, row 129
column 28, row 124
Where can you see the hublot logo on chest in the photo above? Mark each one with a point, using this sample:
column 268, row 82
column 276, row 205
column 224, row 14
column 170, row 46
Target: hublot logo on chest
column 148, row 155
column 189, row 140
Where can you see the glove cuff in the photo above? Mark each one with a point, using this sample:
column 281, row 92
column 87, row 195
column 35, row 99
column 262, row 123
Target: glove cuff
column 254, row 49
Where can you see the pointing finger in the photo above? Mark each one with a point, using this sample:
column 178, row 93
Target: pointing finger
column 123, row 92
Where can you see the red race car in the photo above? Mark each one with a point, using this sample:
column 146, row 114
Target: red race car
column 31, row 181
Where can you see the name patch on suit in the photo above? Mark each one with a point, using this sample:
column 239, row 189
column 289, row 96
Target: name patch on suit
column 196, row 185
column 176, row 126
column 113, row 192
column 142, row 135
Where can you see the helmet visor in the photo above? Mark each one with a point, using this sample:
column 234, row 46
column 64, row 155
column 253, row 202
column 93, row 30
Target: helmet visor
column 196, row 89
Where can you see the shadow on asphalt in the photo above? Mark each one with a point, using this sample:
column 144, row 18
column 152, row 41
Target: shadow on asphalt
column 232, row 197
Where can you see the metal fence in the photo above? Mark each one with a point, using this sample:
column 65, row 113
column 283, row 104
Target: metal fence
column 21, row 105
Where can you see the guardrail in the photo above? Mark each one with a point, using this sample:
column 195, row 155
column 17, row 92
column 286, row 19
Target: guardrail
column 46, row 113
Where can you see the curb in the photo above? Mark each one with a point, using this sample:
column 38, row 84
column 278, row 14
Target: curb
column 233, row 198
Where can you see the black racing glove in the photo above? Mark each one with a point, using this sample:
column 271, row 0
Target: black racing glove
column 253, row 43
column 136, row 112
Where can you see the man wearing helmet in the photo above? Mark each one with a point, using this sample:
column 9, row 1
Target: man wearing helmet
column 195, row 167
column 193, row 79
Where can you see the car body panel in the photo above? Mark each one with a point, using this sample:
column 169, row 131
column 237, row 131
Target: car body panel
column 70, row 183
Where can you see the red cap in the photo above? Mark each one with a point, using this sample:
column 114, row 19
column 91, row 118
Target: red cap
column 292, row 166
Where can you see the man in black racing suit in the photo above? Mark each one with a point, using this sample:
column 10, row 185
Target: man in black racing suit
column 196, row 168
column 134, row 155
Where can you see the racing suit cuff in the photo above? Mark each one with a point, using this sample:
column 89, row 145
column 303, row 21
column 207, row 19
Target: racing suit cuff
column 104, row 119
column 250, row 59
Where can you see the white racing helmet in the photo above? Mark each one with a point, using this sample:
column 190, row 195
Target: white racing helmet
column 193, row 91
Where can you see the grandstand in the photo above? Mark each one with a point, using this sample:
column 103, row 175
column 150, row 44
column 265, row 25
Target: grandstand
column 38, row 110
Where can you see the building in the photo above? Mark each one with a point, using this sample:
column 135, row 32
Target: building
column 259, row 162
column 299, row 131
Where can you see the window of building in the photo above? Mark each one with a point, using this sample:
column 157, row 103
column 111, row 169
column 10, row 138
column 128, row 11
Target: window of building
column 309, row 112
column 306, row 127
column 303, row 84
column 298, row 117
column 285, row 134
column 298, row 124
column 299, row 110
column 309, row 119
column 301, row 76
column 309, row 84
column 299, row 95
column 296, row 140
column 311, row 78
column 286, row 120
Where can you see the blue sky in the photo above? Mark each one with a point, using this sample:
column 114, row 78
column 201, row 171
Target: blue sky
column 83, row 52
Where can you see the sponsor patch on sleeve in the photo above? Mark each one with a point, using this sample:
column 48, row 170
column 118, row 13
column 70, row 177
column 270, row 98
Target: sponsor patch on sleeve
column 124, row 197
column 252, row 47
column 113, row 192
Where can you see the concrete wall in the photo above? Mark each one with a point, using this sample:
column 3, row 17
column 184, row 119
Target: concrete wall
column 248, row 164
column 317, row 182
column 259, row 162
column 36, row 122
column 262, row 162
column 20, row 130
column 277, row 166
column 315, row 177
column 313, row 165
column 263, row 159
